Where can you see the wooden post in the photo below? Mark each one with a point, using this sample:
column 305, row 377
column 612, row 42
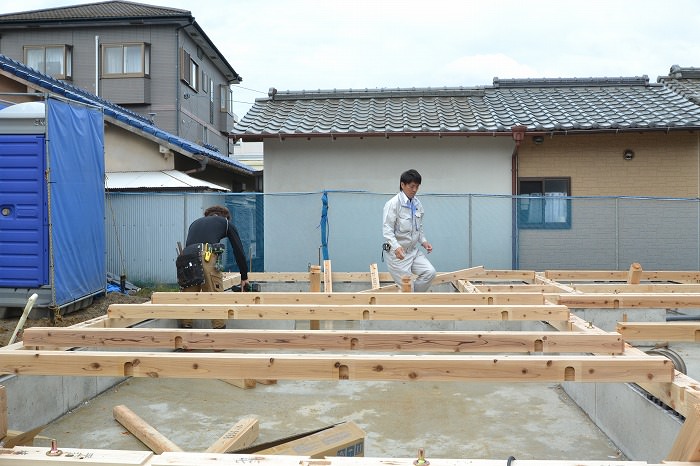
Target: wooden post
column 143, row 431
column 406, row 284
column 635, row 274
column 242, row 434
column 374, row 276
column 315, row 287
column 3, row 412
column 315, row 279
column 327, row 277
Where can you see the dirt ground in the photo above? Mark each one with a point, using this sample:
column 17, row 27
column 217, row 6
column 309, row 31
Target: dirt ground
column 96, row 309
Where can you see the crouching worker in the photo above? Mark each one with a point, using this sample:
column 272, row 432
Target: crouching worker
column 198, row 264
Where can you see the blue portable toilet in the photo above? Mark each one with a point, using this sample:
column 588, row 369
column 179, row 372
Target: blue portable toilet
column 52, row 239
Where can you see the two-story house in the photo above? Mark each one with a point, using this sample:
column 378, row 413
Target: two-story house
column 155, row 61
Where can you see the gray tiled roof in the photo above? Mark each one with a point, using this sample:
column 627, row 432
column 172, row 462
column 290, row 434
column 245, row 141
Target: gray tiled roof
column 546, row 105
column 100, row 10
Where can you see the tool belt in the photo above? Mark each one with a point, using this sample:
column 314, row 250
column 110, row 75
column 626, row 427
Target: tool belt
column 190, row 268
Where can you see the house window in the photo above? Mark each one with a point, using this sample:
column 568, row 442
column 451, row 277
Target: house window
column 54, row 60
column 226, row 99
column 189, row 70
column 544, row 203
column 126, row 60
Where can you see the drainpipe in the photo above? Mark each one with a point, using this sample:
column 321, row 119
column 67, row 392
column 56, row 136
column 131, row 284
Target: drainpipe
column 202, row 166
column 518, row 133
column 97, row 66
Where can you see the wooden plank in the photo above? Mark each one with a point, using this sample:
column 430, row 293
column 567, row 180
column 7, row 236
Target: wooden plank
column 339, row 312
column 660, row 331
column 295, row 366
column 631, row 300
column 242, row 434
column 143, row 431
column 314, row 287
column 327, row 277
column 687, row 444
column 241, row 383
column 328, row 340
column 340, row 297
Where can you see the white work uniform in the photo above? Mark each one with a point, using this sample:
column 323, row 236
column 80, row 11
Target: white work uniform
column 403, row 226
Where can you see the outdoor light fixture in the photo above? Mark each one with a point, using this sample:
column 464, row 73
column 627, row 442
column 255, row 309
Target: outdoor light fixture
column 628, row 154
column 538, row 139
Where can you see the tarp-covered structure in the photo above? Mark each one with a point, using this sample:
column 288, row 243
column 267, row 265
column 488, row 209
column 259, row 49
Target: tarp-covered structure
column 52, row 239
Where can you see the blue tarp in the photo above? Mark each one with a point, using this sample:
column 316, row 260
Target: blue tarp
column 75, row 145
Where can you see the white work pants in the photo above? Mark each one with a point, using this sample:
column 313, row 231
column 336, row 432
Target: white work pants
column 413, row 263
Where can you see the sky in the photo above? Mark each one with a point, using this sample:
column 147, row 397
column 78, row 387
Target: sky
column 370, row 44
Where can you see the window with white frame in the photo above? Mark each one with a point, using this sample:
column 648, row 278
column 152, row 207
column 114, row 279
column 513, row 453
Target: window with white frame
column 226, row 99
column 544, row 203
column 126, row 60
column 54, row 60
column 189, row 70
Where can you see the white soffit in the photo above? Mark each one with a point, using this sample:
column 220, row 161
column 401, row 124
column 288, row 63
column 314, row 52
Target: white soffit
column 166, row 179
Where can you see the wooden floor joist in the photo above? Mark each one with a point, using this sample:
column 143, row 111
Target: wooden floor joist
column 370, row 297
column 660, row 331
column 493, row 295
column 327, row 340
column 295, row 366
column 631, row 300
column 36, row 456
column 455, row 312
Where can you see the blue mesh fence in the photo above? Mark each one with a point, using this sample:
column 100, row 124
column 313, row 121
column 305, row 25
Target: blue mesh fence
column 284, row 232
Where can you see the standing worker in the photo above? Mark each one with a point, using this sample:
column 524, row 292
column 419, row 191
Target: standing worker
column 203, row 239
column 403, row 233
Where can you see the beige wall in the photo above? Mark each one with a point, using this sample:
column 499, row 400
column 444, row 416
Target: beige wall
column 127, row 152
column 447, row 165
column 664, row 165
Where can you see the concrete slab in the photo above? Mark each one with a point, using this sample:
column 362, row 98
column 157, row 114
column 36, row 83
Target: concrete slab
column 449, row 420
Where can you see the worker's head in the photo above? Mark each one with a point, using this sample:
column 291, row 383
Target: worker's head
column 217, row 211
column 410, row 182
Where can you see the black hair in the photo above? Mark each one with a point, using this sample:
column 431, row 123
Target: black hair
column 410, row 176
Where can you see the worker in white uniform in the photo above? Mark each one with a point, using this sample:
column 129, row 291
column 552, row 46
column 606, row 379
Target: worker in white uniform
column 403, row 234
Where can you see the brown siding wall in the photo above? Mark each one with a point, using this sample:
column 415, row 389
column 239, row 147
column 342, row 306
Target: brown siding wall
column 664, row 165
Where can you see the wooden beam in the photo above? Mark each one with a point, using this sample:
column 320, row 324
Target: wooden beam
column 327, row 277
column 289, row 366
column 687, row 444
column 339, row 312
column 631, row 300
column 36, row 456
column 621, row 275
column 328, row 340
column 368, row 297
column 143, row 431
column 242, row 434
column 660, row 331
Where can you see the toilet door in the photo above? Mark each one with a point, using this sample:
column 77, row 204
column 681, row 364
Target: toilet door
column 24, row 248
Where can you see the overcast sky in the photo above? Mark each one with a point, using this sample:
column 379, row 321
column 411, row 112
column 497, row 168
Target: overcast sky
column 326, row 44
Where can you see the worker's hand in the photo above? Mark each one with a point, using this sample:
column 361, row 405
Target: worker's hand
column 400, row 254
column 244, row 285
column 428, row 247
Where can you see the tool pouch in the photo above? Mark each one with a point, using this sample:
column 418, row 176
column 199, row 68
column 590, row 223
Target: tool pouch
column 190, row 268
